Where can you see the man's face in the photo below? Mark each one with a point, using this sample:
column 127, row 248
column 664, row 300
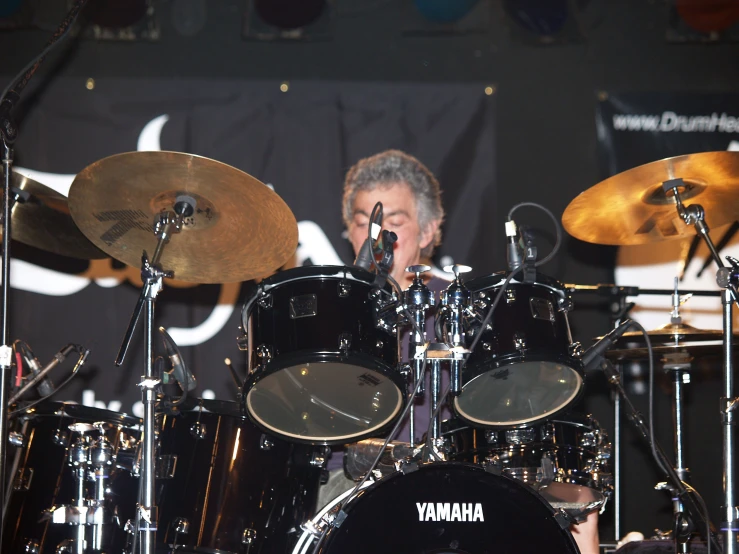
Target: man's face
column 399, row 216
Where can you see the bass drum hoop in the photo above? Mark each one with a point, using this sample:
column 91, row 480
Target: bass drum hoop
column 296, row 358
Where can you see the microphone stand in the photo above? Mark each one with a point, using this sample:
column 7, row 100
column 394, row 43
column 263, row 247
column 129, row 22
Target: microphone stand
column 167, row 224
column 8, row 136
column 727, row 280
column 681, row 492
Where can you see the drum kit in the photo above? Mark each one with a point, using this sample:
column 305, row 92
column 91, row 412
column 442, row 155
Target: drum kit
column 510, row 471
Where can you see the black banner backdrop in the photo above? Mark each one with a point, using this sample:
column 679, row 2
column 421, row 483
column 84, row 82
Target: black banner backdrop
column 299, row 138
column 635, row 129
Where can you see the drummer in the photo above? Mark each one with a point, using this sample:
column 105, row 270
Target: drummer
column 412, row 209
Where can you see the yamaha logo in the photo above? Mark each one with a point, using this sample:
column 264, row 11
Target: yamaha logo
column 449, row 511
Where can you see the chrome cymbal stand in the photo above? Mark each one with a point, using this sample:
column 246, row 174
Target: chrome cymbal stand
column 727, row 279
column 165, row 226
column 417, row 300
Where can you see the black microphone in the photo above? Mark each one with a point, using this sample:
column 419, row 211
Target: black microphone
column 513, row 250
column 594, row 354
column 182, row 375
column 365, row 254
column 46, row 386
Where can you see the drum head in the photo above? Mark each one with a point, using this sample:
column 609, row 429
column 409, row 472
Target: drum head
column 448, row 508
column 518, row 393
column 326, row 401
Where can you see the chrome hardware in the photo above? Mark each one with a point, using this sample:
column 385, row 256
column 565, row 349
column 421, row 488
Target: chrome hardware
column 23, row 479
column 491, row 437
column 520, row 436
column 265, row 301
column 101, row 453
column 181, row 525
column 265, row 443
column 32, row 547
column 198, row 430
column 486, row 346
column 249, row 536
column 575, row 350
column 565, row 304
column 510, row 295
column 343, row 289
column 16, row 439
column 345, row 342
column 66, row 547
column 264, row 353
column 305, row 305
column 319, row 457
column 519, row 342
column 60, row 437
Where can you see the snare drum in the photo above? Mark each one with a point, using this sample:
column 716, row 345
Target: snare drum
column 567, row 459
column 526, row 368
column 72, row 480
column 445, row 508
column 225, row 486
column 323, row 356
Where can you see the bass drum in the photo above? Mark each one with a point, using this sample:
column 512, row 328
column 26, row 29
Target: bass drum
column 43, row 515
column 567, row 459
column 223, row 486
column 446, row 508
column 323, row 354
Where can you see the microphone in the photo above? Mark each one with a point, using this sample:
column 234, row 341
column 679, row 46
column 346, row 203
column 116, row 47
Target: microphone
column 594, row 354
column 46, row 386
column 182, row 375
column 513, row 250
column 365, row 254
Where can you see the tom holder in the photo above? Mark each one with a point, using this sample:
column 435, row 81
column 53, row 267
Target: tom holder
column 165, row 226
column 695, row 215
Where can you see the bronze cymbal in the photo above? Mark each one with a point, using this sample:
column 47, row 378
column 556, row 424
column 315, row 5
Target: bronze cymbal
column 668, row 339
column 631, row 207
column 44, row 221
column 240, row 230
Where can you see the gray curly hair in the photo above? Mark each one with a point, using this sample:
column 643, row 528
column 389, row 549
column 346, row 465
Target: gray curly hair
column 390, row 167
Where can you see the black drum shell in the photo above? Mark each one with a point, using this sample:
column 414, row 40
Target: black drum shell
column 230, row 477
column 529, row 324
column 50, row 480
column 350, row 315
column 385, row 516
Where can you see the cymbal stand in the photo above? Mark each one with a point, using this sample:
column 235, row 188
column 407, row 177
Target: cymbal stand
column 417, row 299
column 165, row 226
column 727, row 279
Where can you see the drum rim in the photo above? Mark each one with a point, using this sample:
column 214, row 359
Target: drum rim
column 56, row 408
column 366, row 361
column 496, row 279
column 327, row 272
column 520, row 423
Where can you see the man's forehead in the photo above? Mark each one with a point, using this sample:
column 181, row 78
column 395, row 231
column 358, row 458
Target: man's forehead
column 397, row 198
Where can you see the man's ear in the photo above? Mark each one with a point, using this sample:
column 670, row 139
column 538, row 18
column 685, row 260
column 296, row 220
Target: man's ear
column 429, row 233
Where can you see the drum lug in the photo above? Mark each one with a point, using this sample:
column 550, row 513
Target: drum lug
column 491, row 437
column 16, row 439
column 264, row 353
column 345, row 343
column 32, row 547
column 575, row 350
column 343, row 289
column 23, row 479
column 320, row 457
column 510, row 295
column 60, row 437
column 181, row 525
column 248, row 536
column 519, row 342
column 265, row 443
column 198, row 430
column 66, row 547
column 492, row 466
column 265, row 301
column 520, row 436
column 565, row 304
column 406, row 466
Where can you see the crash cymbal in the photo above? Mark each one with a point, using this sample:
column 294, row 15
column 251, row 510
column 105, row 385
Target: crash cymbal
column 668, row 339
column 240, row 229
column 43, row 221
column 631, row 207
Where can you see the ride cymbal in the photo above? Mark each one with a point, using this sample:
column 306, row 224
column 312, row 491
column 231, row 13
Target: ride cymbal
column 631, row 207
column 668, row 339
column 43, row 221
column 240, row 229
